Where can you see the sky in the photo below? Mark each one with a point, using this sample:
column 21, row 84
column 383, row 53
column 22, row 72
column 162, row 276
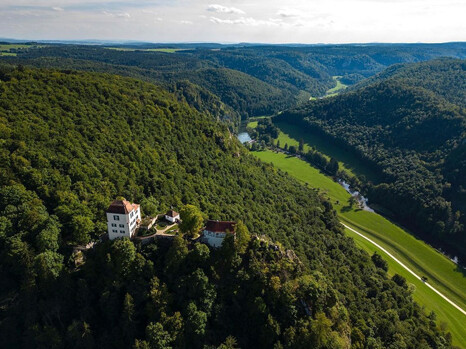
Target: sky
column 233, row 21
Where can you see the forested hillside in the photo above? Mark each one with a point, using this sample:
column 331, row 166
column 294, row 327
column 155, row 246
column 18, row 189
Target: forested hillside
column 242, row 94
column 273, row 70
column 445, row 77
column 196, row 96
column 352, row 62
column 73, row 141
column 405, row 129
column 248, row 80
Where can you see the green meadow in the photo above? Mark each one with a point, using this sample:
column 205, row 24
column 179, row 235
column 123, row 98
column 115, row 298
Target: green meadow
column 252, row 121
column 417, row 255
column 290, row 134
column 334, row 90
column 5, row 49
column 337, row 89
column 165, row 50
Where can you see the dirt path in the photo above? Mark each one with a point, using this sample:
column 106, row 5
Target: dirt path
column 405, row 267
column 162, row 231
column 159, row 232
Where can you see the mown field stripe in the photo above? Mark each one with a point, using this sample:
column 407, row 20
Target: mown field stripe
column 404, row 266
column 402, row 252
column 446, row 313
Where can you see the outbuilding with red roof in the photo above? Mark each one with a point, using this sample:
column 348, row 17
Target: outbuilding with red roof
column 215, row 232
column 172, row 216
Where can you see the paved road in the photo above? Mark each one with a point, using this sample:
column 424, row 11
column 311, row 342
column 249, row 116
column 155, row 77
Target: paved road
column 409, row 270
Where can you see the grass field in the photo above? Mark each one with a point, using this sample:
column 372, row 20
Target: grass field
column 252, row 122
column 315, row 143
column 421, row 258
column 5, row 48
column 285, row 138
column 291, row 134
column 121, row 49
column 18, row 46
column 335, row 90
column 166, row 50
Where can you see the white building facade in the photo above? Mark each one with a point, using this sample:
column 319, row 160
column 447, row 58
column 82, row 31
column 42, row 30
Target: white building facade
column 215, row 232
column 123, row 218
column 172, row 216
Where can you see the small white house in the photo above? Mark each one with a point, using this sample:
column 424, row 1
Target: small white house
column 172, row 216
column 215, row 231
column 123, row 218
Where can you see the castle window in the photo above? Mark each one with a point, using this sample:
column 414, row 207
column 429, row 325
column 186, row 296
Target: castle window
column 116, row 218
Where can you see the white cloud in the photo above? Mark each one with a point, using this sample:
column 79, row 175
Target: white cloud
column 223, row 9
column 117, row 14
column 288, row 13
column 244, row 21
column 307, row 21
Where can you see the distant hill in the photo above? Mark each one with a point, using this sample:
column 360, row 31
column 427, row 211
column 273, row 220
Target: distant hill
column 272, row 68
column 405, row 124
column 262, row 79
column 445, row 77
column 242, row 94
column 353, row 62
column 73, row 141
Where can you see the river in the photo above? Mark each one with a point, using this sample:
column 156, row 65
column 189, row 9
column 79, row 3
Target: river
column 243, row 135
column 361, row 199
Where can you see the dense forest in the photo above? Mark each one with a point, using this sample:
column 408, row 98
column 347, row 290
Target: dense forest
column 445, row 77
column 321, row 62
column 271, row 69
column 243, row 95
column 73, row 141
column 196, row 96
column 393, row 124
column 246, row 80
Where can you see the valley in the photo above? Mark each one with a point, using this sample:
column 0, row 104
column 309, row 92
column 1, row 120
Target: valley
column 84, row 125
column 392, row 127
column 440, row 271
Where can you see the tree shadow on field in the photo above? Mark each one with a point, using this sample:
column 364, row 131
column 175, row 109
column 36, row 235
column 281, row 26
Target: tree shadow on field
column 346, row 209
column 460, row 269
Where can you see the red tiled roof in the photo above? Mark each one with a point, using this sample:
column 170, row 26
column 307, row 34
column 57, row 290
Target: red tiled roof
column 121, row 207
column 220, row 226
column 172, row 213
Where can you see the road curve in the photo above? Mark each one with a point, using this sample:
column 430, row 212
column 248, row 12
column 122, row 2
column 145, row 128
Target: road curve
column 404, row 266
